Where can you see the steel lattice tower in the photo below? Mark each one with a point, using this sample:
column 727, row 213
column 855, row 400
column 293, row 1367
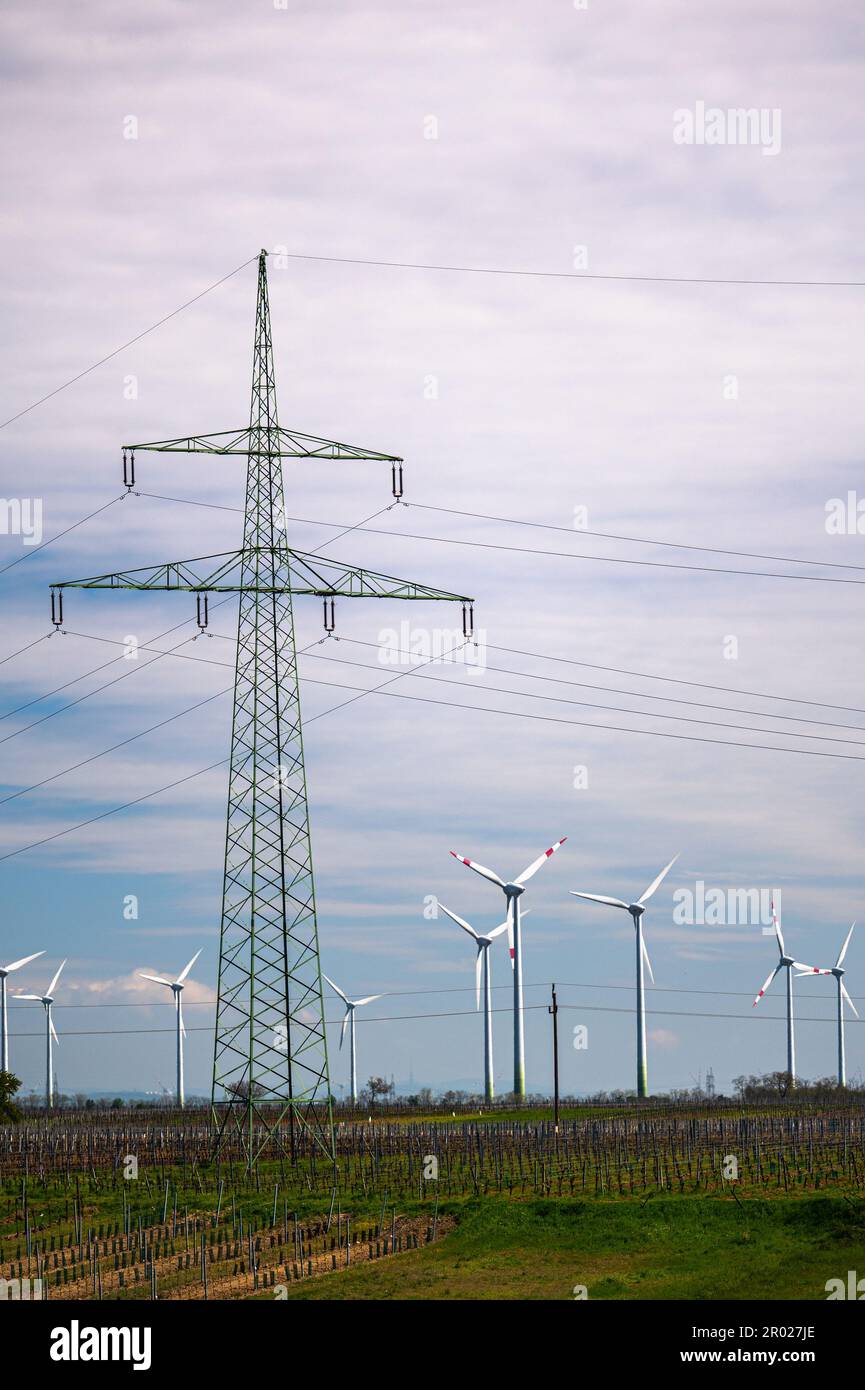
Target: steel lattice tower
column 270, row 1068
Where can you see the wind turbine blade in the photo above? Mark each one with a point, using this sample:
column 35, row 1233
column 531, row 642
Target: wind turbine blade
column 182, row 1027
column 648, row 962
column 497, row 931
column 809, row 969
column 368, row 1000
column 847, row 997
column 777, row 925
column 53, row 1030
column 37, row 997
column 599, row 898
column 478, row 965
column 183, row 974
column 541, row 859
column 16, row 964
column 344, row 1025
column 510, row 926
column 157, row 979
column 333, row 986
column 466, row 926
column 768, row 981
column 841, row 954
column 656, row 882
column 50, row 990
column 479, row 869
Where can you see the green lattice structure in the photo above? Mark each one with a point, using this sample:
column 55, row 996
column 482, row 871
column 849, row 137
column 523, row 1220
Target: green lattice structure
column 270, row 1067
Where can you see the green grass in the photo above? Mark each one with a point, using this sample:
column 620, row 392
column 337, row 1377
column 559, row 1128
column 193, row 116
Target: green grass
column 684, row 1248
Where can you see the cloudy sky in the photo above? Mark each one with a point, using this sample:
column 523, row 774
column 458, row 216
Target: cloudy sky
column 147, row 152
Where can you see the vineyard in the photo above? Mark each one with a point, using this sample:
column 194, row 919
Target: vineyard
column 106, row 1206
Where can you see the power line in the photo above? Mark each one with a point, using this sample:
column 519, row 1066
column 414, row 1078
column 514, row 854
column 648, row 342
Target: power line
column 29, row 647
column 569, row 661
column 570, row 274
column 609, row 728
column 677, row 680
column 421, row 699
column 560, row 554
column 634, row 694
column 35, row 550
column 124, row 346
column 460, row 1013
column 631, row 540
column 446, row 989
column 94, row 757
column 307, row 651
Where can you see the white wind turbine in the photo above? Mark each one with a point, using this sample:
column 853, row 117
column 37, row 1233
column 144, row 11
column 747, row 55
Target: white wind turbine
column 177, row 986
column 787, row 963
column 839, row 973
column 350, row 1006
column 513, row 892
column 4, row 1033
column 47, row 1000
column 482, row 966
column 636, row 910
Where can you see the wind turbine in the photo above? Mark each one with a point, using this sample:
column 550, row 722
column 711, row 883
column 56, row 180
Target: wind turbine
column 513, row 892
column 839, row 973
column 350, row 1006
column 787, row 963
column 176, row 986
column 4, row 1034
column 482, row 966
column 47, row 999
column 636, row 910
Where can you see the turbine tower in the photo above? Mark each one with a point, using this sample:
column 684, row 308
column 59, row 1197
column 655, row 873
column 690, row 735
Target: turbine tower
column 270, row 1067
column 348, row 1018
column 636, row 910
column 176, row 987
column 482, row 965
column 4, row 1034
column 838, row 971
column 513, row 892
column 47, row 1000
column 787, row 963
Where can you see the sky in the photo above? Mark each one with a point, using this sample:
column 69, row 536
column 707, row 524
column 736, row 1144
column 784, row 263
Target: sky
column 149, row 151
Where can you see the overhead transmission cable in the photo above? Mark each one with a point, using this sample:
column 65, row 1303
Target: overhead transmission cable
column 568, row 554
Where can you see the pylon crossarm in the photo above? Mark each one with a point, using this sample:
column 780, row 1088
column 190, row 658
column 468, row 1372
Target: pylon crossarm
column 242, row 571
column 271, row 441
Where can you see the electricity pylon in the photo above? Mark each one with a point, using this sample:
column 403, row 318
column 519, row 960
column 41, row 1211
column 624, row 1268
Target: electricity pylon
column 270, row 1053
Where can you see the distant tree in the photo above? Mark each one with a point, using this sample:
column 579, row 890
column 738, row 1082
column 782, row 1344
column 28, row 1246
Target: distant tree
column 9, row 1087
column 117, row 1103
column 378, row 1086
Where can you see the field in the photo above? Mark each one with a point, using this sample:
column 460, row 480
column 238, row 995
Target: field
column 650, row 1202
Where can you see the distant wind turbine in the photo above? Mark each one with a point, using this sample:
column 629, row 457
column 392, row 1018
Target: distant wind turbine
column 177, row 986
column 787, row 963
column 47, row 1000
column 839, row 973
column 4, row 1034
column 350, row 1006
column 513, row 891
column 482, row 966
column 636, row 910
